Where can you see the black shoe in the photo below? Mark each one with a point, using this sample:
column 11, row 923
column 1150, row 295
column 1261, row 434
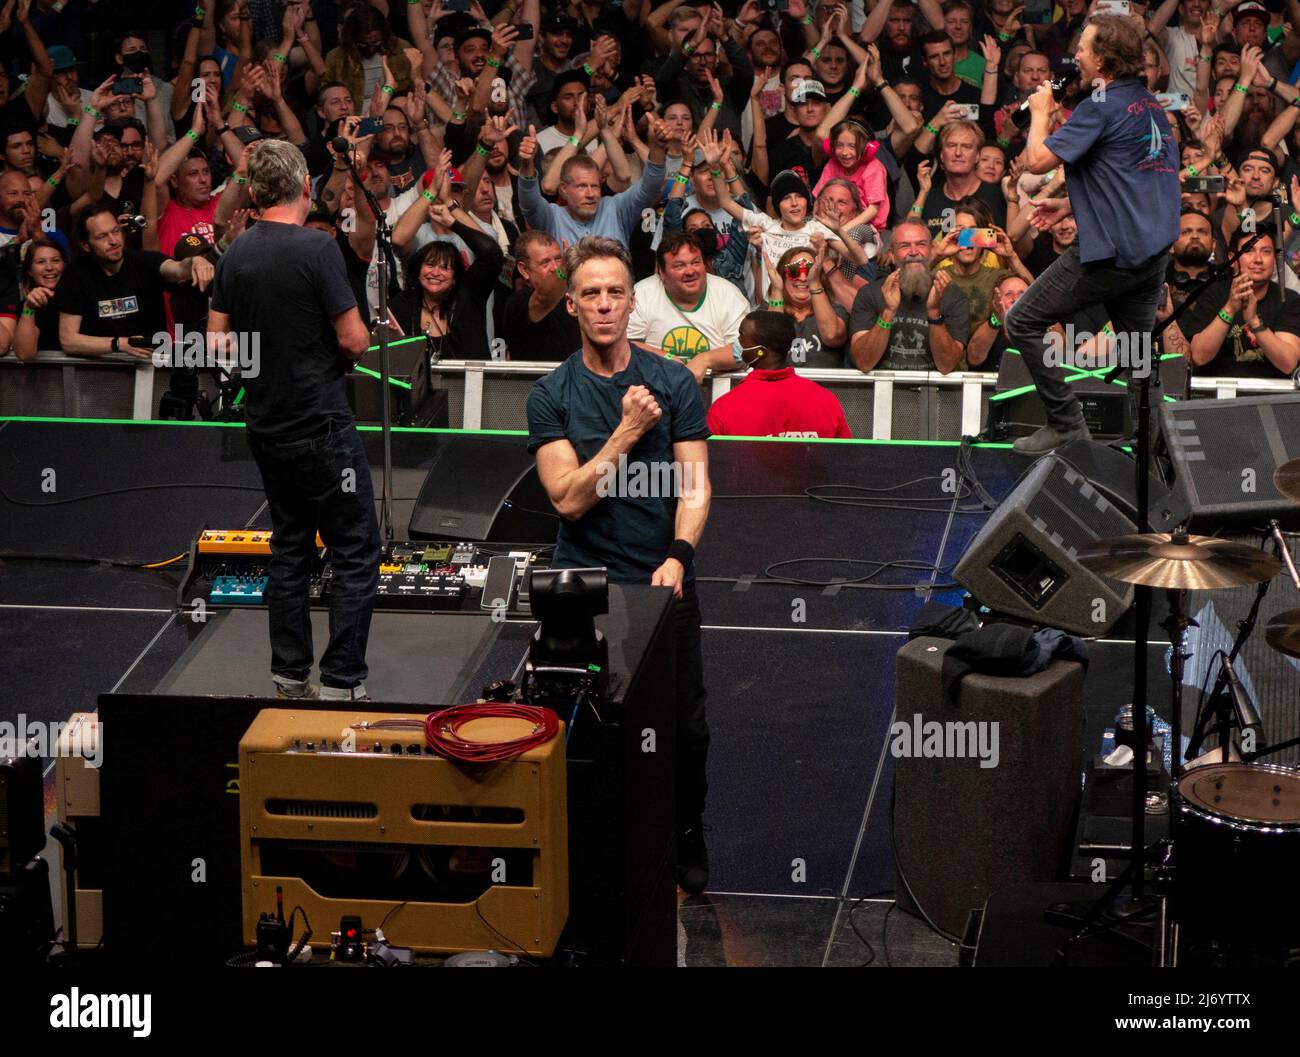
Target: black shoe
column 1048, row 438
column 692, row 859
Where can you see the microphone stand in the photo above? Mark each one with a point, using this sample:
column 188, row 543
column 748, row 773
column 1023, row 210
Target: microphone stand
column 384, row 244
column 1134, row 874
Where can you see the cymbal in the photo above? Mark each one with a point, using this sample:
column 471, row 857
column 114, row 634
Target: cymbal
column 1283, row 632
column 1286, row 479
column 1201, row 563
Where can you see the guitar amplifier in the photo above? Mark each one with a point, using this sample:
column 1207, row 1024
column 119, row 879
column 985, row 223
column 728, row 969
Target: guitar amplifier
column 350, row 818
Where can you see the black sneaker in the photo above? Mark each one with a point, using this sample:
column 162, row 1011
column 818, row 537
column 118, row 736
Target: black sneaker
column 1048, row 438
column 692, row 859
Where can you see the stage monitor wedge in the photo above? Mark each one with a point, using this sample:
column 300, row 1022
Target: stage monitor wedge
column 483, row 489
column 1024, row 563
column 1224, row 453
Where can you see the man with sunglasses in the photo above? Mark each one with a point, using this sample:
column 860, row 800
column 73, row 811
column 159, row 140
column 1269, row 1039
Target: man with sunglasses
column 773, row 401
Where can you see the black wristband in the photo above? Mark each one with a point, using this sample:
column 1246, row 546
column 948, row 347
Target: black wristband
column 682, row 551
column 113, row 346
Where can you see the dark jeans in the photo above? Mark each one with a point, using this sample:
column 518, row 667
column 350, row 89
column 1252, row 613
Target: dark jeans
column 321, row 483
column 1130, row 296
column 692, row 725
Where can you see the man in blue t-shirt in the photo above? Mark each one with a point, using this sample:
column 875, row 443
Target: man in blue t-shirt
column 1121, row 170
column 619, row 434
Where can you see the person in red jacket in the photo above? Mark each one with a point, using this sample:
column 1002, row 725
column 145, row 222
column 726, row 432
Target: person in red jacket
column 773, row 401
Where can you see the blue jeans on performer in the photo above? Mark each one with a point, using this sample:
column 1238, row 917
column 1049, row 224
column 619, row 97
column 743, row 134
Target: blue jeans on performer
column 320, row 483
column 1130, row 296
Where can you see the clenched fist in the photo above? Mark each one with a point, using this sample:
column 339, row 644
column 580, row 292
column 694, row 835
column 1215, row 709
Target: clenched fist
column 640, row 410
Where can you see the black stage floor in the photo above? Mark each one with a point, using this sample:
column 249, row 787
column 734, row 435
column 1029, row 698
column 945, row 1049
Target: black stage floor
column 801, row 678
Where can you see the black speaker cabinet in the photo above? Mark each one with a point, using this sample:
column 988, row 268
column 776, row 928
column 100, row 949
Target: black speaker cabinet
column 412, row 399
column 22, row 810
column 483, row 489
column 1224, row 453
column 1015, row 409
column 1024, row 560
column 962, row 829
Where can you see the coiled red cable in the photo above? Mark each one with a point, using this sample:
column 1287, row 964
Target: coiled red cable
column 441, row 730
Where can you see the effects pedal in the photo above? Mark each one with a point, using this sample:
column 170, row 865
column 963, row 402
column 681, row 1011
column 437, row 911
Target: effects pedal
column 247, row 590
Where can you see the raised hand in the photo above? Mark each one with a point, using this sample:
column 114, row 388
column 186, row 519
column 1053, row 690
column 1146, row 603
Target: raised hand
column 657, row 132
column 937, row 288
column 496, row 129
column 580, row 118
column 992, row 53
column 711, row 145
column 102, row 97
column 1241, row 291
column 715, row 89
column 440, row 215
column 528, row 148
column 924, row 177
column 890, row 292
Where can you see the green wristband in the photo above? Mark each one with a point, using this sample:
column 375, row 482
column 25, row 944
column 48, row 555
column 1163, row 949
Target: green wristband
column 560, row 273
column 199, row 11
column 1191, row 171
column 681, row 179
column 586, row 68
column 994, row 322
column 1240, row 88
column 715, row 172
column 1295, row 220
column 279, row 58
column 855, row 92
column 1225, row 317
column 494, row 63
column 1004, row 37
column 480, row 149
column 883, row 325
column 73, row 122
column 429, row 197
column 915, row 211
column 715, row 106
column 931, row 129
column 28, row 311
column 241, row 180
column 807, row 20
column 815, row 52
column 456, row 115
column 54, row 180
column 574, row 141
column 387, row 89
column 775, row 304
column 237, row 105
column 192, row 134
column 91, row 111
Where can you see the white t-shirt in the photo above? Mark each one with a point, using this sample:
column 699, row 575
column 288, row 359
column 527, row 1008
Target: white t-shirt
column 1183, row 53
column 777, row 239
column 683, row 333
column 551, row 138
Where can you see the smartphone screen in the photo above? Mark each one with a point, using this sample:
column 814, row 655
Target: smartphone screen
column 525, row 30
column 370, row 126
column 128, row 86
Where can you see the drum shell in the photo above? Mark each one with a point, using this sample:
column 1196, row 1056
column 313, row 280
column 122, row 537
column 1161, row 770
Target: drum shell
column 1237, row 877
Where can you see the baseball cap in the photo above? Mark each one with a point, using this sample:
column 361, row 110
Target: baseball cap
column 193, row 245
column 1251, row 7
column 320, row 211
column 456, row 179
column 1258, row 153
column 62, row 58
column 559, row 23
column 808, row 89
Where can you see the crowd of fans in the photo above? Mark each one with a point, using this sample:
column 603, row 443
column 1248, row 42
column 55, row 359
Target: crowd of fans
column 852, row 167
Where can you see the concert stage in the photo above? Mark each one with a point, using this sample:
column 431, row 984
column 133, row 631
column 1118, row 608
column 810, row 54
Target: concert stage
column 800, row 675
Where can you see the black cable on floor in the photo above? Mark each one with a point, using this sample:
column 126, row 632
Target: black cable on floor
column 857, row 904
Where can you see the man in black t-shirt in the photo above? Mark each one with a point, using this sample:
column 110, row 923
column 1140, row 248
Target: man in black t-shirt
column 942, row 85
column 589, row 470
column 536, row 325
column 111, row 298
column 284, row 288
column 1246, row 327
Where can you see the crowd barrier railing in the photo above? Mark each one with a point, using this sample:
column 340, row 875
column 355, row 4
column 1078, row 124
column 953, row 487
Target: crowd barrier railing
column 881, row 405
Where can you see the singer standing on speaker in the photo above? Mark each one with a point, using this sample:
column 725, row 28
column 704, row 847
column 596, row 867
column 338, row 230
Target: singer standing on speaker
column 609, row 413
column 1121, row 170
column 287, row 285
